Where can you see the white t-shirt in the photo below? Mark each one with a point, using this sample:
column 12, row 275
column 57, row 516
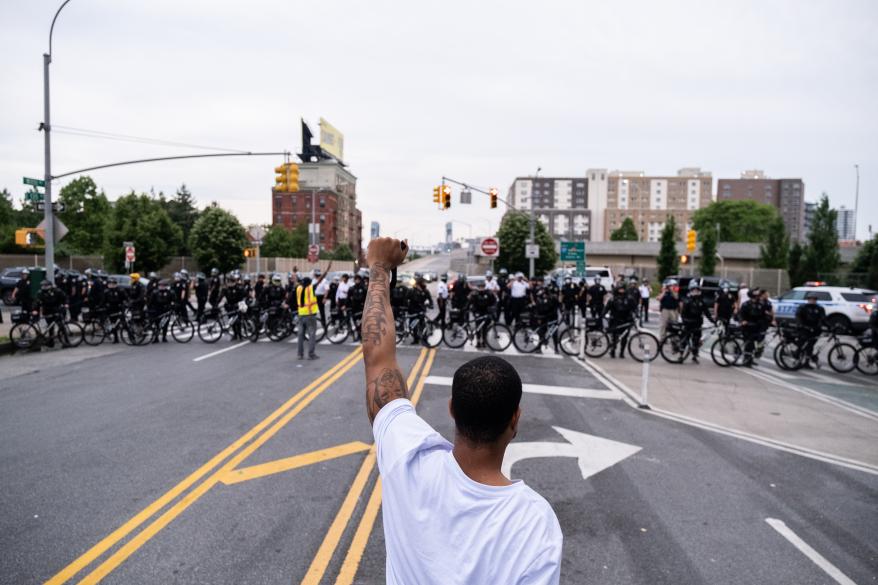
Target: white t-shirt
column 442, row 290
column 441, row 527
column 322, row 288
column 644, row 291
column 743, row 295
column 341, row 293
column 491, row 285
column 519, row 289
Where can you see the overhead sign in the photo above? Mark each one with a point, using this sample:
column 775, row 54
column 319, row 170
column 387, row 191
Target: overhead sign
column 34, row 182
column 60, row 229
column 489, row 247
column 331, row 140
column 572, row 251
column 313, row 253
column 531, row 251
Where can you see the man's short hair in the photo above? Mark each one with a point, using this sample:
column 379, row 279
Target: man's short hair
column 485, row 394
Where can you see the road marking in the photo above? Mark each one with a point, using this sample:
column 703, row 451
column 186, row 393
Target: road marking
column 224, row 350
column 809, row 552
column 829, row 379
column 255, row 471
column 509, row 351
column 330, row 542
column 361, row 538
column 594, row 454
column 109, row 541
column 570, row 391
column 843, row 404
column 632, row 401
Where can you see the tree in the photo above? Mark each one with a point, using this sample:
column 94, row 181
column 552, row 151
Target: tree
column 183, row 212
column 859, row 268
column 794, row 265
column 821, row 255
column 739, row 221
column 7, row 223
column 142, row 220
column 277, row 243
column 218, row 240
column 872, row 275
column 86, row 213
column 343, row 252
column 668, row 261
column 513, row 233
column 707, row 261
column 626, row 232
column 776, row 250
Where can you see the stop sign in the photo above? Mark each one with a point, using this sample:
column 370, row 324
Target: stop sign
column 129, row 254
column 490, row 246
column 313, row 253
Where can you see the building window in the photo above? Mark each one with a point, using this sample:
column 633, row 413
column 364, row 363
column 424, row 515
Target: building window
column 602, row 176
column 323, row 202
column 322, row 218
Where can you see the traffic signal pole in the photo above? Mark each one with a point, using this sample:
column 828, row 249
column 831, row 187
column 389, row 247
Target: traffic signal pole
column 47, row 154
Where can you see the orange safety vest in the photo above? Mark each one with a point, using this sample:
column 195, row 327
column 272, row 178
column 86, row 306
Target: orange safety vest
column 309, row 307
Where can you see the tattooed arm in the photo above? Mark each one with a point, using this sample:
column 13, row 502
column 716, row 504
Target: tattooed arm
column 384, row 380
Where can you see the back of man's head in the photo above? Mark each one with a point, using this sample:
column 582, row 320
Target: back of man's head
column 485, row 395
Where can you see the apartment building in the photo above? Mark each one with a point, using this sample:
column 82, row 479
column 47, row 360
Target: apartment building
column 561, row 203
column 785, row 195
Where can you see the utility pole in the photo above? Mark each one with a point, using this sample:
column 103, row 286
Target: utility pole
column 532, row 239
column 47, row 175
column 856, row 201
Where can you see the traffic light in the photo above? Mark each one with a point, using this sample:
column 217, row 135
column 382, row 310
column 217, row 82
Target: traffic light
column 437, row 195
column 684, row 259
column 250, row 252
column 287, row 178
column 446, row 196
column 492, row 193
column 691, row 236
column 28, row 238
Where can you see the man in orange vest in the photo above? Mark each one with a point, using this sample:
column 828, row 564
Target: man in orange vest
column 306, row 301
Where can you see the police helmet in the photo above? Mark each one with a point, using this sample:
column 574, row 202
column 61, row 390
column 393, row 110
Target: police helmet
column 275, row 278
column 214, row 271
column 25, row 272
column 112, row 280
column 247, row 277
column 306, row 281
column 811, row 295
column 444, row 278
column 693, row 285
column 200, row 276
column 503, row 272
column 488, row 274
column 45, row 284
column 164, row 282
column 135, row 276
column 317, row 272
column 88, row 272
column 184, row 273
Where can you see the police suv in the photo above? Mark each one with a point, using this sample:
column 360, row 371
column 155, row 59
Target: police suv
column 847, row 309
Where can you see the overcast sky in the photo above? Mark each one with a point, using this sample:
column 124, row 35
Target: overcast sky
column 481, row 91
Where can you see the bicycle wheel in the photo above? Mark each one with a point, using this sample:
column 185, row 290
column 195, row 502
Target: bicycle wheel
column 210, row 329
column 643, row 346
column 498, row 337
column 526, row 339
column 401, row 329
column 94, row 333
column 787, row 356
column 23, row 335
column 866, row 360
column 132, row 333
column 597, row 343
column 73, row 334
column 569, row 340
column 455, row 335
column 674, row 348
column 337, row 332
column 842, row 357
column 248, row 327
column 182, row 331
column 730, row 351
column 430, row 333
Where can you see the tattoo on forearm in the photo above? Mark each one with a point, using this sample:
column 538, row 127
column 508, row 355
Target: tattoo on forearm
column 374, row 326
column 388, row 386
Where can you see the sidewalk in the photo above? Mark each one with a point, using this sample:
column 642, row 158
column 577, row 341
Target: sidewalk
column 737, row 400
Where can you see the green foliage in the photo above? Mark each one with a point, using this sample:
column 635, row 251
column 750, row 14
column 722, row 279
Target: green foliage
column 667, row 260
column 776, row 250
column 513, row 234
column 862, row 269
column 821, row 253
column 277, row 243
column 218, row 240
column 142, row 220
column 343, row 252
column 8, row 218
column 86, row 213
column 707, row 261
column 739, row 221
column 794, row 265
column 183, row 211
column 626, row 232
column 872, row 274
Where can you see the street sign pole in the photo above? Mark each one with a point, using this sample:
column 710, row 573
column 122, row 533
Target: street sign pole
column 50, row 220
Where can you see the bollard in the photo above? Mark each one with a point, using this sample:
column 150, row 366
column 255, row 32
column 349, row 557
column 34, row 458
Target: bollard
column 582, row 338
column 644, row 382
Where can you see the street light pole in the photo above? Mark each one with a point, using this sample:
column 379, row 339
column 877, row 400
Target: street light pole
column 532, row 227
column 46, row 127
column 856, row 202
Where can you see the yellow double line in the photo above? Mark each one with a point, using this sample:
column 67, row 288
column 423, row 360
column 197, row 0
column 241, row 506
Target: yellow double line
column 279, row 418
column 364, row 529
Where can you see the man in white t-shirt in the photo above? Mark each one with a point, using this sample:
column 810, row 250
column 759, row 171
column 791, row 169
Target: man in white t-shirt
column 450, row 515
column 341, row 293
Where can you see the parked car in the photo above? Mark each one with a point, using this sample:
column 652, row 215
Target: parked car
column 710, row 285
column 847, row 309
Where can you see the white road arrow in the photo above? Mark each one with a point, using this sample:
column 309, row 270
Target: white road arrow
column 593, row 453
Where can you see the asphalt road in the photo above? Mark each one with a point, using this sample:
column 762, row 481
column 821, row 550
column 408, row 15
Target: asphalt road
column 143, row 465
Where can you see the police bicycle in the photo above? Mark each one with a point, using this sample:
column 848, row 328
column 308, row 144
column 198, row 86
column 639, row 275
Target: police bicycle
column 528, row 339
column 27, row 332
column 642, row 345
column 226, row 319
column 795, row 352
column 419, row 328
column 97, row 328
column 344, row 323
column 481, row 327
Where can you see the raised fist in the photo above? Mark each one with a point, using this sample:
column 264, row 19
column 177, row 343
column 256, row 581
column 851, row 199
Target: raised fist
column 388, row 251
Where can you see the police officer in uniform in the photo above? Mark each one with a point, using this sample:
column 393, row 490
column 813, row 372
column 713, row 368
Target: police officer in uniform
column 215, row 288
column 160, row 302
column 481, row 301
column 21, row 293
column 503, row 294
column 136, row 296
column 442, row 298
column 596, row 295
column 693, row 310
column 810, row 317
column 569, row 294
column 621, row 313
column 752, row 316
column 419, row 300
column 114, row 301
column 202, row 291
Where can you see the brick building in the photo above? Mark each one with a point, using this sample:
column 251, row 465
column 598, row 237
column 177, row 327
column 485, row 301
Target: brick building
column 649, row 200
column 331, row 189
column 785, row 195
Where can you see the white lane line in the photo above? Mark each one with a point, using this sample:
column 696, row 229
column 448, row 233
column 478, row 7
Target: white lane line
column 544, row 389
column 828, row 379
column 224, row 350
column 809, row 552
column 843, row 404
column 509, row 351
column 631, row 399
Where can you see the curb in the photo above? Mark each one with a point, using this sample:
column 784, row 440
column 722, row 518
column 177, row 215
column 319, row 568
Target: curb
column 7, row 348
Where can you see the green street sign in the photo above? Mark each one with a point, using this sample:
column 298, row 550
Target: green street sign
column 572, row 251
column 33, row 196
column 34, row 182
